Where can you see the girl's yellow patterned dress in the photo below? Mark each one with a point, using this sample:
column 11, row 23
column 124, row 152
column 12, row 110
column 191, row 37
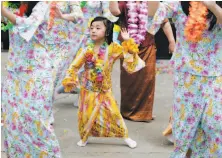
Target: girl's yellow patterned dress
column 98, row 113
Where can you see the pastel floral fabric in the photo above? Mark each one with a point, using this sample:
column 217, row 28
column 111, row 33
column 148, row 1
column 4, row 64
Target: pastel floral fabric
column 203, row 58
column 27, row 90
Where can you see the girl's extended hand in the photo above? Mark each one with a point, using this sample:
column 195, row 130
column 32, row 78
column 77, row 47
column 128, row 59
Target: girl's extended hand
column 125, row 34
column 171, row 47
column 58, row 13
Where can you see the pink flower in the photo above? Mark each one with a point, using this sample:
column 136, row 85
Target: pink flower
column 191, row 119
column 55, row 31
column 30, row 54
column 205, row 62
column 218, row 117
column 210, row 127
column 25, row 95
column 188, row 94
column 189, row 137
column 209, row 139
column 39, row 144
column 196, row 106
column 13, row 126
column 13, row 104
column 84, row 10
column 20, row 68
column 203, row 94
column 42, row 97
column 217, row 140
column 10, row 76
column 47, row 107
column 56, row 150
column 20, row 127
column 217, row 46
column 17, row 148
column 204, row 72
column 52, row 55
column 28, row 133
column 193, row 47
column 33, row 108
column 6, row 144
column 34, row 94
column 40, row 36
column 28, row 118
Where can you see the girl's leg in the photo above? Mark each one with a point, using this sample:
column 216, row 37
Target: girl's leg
column 168, row 131
column 76, row 101
column 187, row 112
column 81, row 143
column 60, row 90
column 212, row 117
column 131, row 143
column 118, row 122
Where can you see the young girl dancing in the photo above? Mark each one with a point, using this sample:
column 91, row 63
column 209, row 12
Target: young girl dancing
column 98, row 113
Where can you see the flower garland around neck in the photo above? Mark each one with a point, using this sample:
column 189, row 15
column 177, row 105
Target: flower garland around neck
column 96, row 61
column 137, row 20
column 17, row 9
column 196, row 22
column 51, row 14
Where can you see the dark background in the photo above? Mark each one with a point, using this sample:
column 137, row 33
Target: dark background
column 162, row 44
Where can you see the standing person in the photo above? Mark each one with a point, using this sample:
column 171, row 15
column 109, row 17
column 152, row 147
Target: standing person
column 98, row 113
column 197, row 62
column 63, row 45
column 28, row 88
column 138, row 105
column 80, row 34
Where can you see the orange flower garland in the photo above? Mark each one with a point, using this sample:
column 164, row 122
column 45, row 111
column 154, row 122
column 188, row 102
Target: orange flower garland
column 196, row 22
column 51, row 15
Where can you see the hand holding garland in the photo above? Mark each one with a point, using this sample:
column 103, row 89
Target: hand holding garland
column 58, row 14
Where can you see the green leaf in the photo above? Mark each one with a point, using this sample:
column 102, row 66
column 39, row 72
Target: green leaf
column 83, row 4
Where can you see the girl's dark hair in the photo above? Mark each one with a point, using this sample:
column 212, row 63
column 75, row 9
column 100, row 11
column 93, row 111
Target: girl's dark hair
column 213, row 19
column 31, row 5
column 109, row 28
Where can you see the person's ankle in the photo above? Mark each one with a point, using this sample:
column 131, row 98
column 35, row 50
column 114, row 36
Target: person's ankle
column 81, row 143
column 131, row 143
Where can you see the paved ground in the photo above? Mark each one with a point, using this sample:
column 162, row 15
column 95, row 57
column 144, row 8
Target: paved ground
column 151, row 143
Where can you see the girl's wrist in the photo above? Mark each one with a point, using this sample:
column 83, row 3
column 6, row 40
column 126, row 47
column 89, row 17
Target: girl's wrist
column 126, row 39
column 62, row 16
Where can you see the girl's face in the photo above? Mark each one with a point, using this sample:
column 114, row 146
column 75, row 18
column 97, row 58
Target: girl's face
column 97, row 31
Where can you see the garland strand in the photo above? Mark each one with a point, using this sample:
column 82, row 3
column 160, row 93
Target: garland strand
column 137, row 20
column 196, row 22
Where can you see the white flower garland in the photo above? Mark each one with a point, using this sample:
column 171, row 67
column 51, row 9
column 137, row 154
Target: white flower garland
column 137, row 20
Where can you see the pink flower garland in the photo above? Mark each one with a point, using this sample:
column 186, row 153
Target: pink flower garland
column 137, row 20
